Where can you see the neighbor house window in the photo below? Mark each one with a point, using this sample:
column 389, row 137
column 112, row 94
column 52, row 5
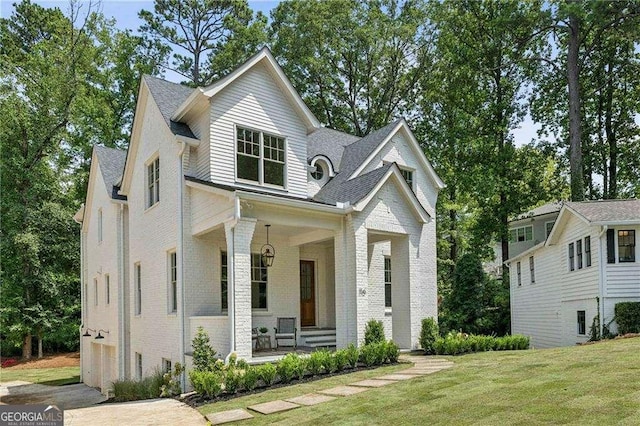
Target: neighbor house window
column 519, row 269
column 138, row 287
column 387, row 282
column 166, row 365
column 548, row 226
column 408, row 176
column 173, row 282
column 258, row 282
column 587, row 251
column 99, row 225
column 223, row 280
column 532, row 269
column 582, row 323
column 524, row 233
column 260, row 157
column 572, row 265
column 579, row 253
column 153, row 182
column 107, row 289
column 95, row 291
column 626, row 246
column 138, row 365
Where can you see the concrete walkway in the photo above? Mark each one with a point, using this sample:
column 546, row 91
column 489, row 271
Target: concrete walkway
column 422, row 365
column 66, row 397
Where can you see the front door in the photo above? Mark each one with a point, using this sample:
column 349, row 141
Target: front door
column 307, row 293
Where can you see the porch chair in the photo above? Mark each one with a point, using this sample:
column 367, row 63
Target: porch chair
column 254, row 337
column 286, row 330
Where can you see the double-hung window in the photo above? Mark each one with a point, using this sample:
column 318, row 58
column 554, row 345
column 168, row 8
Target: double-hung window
column 153, row 182
column 387, row 282
column 138, row 365
column 408, row 176
column 582, row 323
column 626, row 246
column 260, row 157
column 107, row 289
column 173, row 282
column 138, row 289
column 223, row 280
column 532, row 270
column 258, row 282
column 579, row 253
column 519, row 270
column 587, row 251
column 572, row 265
column 524, row 233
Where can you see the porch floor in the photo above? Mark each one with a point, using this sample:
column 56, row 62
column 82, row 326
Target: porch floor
column 271, row 355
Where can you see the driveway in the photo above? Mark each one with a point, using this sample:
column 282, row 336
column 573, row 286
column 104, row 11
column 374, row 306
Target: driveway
column 82, row 406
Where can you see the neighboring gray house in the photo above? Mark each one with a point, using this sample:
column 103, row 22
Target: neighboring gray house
column 588, row 263
column 174, row 232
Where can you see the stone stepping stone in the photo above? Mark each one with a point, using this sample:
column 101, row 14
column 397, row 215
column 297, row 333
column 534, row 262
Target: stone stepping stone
column 373, row 383
column 310, row 399
column 395, row 377
column 343, row 390
column 228, row 416
column 273, row 407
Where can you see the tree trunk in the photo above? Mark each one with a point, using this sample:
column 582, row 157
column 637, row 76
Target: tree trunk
column 575, row 137
column 26, row 347
column 40, row 354
column 611, row 139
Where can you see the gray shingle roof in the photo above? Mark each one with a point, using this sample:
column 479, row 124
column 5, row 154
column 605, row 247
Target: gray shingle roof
column 111, row 163
column 553, row 207
column 330, row 143
column 608, row 210
column 352, row 190
column 169, row 96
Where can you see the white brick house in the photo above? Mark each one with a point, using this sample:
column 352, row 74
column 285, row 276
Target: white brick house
column 587, row 264
column 177, row 225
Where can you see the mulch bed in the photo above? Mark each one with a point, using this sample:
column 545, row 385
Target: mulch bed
column 71, row 359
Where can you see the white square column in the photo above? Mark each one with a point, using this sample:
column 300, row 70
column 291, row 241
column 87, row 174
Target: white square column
column 239, row 235
column 401, row 292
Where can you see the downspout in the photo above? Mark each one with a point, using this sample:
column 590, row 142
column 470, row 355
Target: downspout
column 180, row 254
column 83, row 308
column 345, row 278
column 601, row 277
column 121, row 313
column 231, row 279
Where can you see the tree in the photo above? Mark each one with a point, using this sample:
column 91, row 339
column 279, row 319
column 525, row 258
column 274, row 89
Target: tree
column 355, row 63
column 206, row 39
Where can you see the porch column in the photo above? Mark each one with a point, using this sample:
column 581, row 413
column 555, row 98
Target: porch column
column 351, row 283
column 239, row 235
column 401, row 291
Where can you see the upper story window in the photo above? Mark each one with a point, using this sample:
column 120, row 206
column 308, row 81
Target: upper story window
column 173, row 282
column 587, row 250
column 532, row 269
column 519, row 271
column 408, row 176
column 579, row 253
column 99, row 225
column 153, row 182
column 523, row 233
column 572, row 265
column 626, row 246
column 318, row 173
column 548, row 226
column 387, row 282
column 260, row 157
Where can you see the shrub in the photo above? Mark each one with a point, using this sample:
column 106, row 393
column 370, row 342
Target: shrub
column 267, row 373
column 209, row 383
column 204, row 356
column 301, row 368
column 393, row 351
column 460, row 343
column 171, row 382
column 232, row 380
column 373, row 354
column 133, row 390
column 374, row 332
column 288, row 367
column 428, row 335
column 352, row 355
column 627, row 316
column 340, row 359
column 250, row 378
column 319, row 361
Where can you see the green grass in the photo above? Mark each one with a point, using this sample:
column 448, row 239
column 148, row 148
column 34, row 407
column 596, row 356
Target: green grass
column 44, row 376
column 594, row 384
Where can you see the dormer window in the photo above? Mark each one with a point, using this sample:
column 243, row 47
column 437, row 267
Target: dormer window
column 260, row 157
column 318, row 173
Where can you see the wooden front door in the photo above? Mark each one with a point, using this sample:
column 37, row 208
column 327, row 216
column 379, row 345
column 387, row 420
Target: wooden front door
column 307, row 293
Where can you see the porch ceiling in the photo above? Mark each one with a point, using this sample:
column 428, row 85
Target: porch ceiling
column 295, row 235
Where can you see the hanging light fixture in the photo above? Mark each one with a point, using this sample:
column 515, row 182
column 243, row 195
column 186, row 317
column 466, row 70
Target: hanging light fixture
column 267, row 251
column 86, row 332
column 100, row 336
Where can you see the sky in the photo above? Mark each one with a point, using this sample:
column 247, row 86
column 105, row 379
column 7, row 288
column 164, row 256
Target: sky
column 126, row 15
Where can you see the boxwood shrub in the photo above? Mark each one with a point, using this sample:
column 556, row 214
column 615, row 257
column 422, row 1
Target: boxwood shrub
column 461, row 343
column 627, row 316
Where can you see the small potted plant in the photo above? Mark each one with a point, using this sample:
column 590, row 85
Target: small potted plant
column 263, row 330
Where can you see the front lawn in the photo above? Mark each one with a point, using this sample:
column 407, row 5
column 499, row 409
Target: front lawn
column 45, row 376
column 593, row 384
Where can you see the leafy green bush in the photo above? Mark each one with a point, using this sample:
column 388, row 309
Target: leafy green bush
column 133, row 390
column 353, row 355
column 250, row 378
column 373, row 354
column 288, row 367
column 209, row 383
column 428, row 335
column 171, row 382
column 340, row 359
column 204, row 356
column 393, row 352
column 319, row 361
column 461, row 343
column 267, row 373
column 232, row 380
column 373, row 332
column 627, row 316
column 301, row 368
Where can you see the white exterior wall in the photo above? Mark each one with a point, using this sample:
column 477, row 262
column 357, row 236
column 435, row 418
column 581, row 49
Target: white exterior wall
column 153, row 233
column 101, row 260
column 256, row 102
column 377, row 310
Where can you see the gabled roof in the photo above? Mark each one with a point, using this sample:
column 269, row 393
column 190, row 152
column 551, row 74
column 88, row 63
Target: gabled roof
column 351, row 191
column 111, row 163
column 548, row 208
column 168, row 97
column 357, row 152
column 330, row 143
column 264, row 56
column 607, row 212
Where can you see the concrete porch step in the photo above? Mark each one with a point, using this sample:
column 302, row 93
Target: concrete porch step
column 319, row 338
column 317, row 332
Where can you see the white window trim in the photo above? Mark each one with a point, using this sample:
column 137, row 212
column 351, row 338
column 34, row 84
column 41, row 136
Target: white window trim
column 100, row 229
column 137, row 288
column 95, row 291
column 258, row 310
column 151, row 160
column 412, row 185
column 519, row 274
column 170, row 283
column 387, row 309
column 261, row 159
column 552, row 222
column 139, row 371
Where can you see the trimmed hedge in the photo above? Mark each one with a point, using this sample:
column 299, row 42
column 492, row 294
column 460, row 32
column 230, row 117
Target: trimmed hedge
column 461, row 343
column 627, row 316
column 428, row 335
